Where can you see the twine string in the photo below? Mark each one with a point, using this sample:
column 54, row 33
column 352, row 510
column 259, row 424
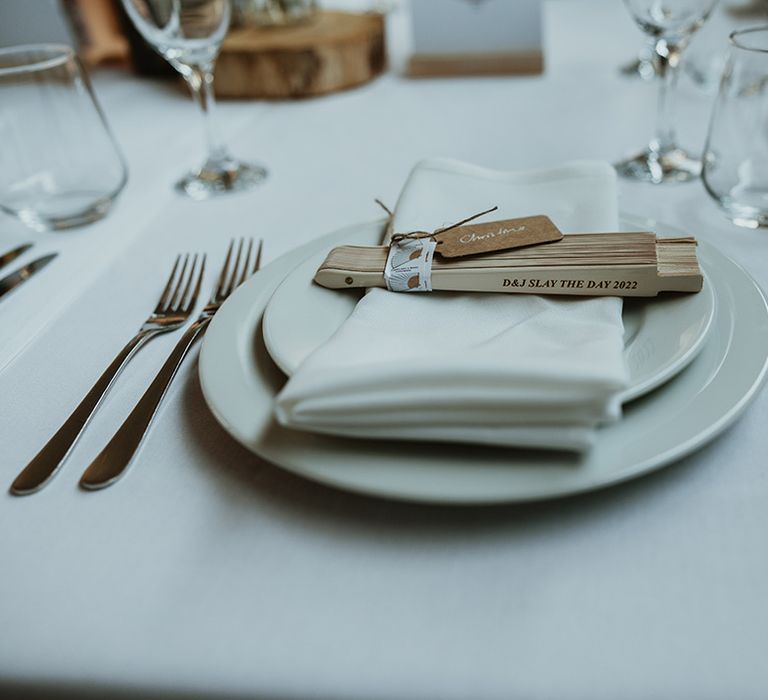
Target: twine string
column 415, row 235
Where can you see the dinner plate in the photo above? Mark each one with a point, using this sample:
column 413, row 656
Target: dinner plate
column 240, row 382
column 661, row 334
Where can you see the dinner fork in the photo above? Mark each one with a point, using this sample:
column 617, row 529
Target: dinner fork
column 176, row 303
column 110, row 464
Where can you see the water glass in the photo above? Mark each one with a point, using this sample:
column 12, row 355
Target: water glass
column 59, row 163
column 736, row 154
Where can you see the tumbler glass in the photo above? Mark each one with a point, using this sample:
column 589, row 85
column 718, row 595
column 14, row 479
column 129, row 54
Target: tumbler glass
column 735, row 169
column 59, row 163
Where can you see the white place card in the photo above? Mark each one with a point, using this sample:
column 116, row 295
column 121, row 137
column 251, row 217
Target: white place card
column 470, row 37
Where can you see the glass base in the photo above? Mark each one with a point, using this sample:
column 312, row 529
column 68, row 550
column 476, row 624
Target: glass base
column 221, row 177
column 746, row 219
column 670, row 165
column 59, row 211
column 742, row 196
column 761, row 222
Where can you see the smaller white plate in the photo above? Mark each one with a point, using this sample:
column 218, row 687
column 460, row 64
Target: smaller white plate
column 661, row 335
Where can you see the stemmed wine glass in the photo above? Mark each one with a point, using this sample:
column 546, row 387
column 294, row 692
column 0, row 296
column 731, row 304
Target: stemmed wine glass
column 670, row 24
column 188, row 34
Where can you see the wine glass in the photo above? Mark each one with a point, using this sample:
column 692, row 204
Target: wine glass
column 670, row 24
column 188, row 34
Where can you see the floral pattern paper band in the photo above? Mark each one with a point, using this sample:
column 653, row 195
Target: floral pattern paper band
column 409, row 265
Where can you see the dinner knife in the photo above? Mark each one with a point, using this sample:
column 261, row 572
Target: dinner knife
column 11, row 255
column 24, row 273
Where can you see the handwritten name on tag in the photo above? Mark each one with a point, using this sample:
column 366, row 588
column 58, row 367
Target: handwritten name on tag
column 473, row 239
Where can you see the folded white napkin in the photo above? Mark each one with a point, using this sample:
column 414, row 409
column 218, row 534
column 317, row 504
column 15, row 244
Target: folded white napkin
column 482, row 368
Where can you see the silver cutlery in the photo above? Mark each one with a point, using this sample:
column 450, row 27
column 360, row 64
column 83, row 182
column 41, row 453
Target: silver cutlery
column 11, row 255
column 10, row 282
column 112, row 461
column 176, row 303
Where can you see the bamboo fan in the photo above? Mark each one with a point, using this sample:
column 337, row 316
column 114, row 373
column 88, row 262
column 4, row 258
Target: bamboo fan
column 603, row 264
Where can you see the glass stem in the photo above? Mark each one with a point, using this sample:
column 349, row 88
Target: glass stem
column 200, row 80
column 668, row 62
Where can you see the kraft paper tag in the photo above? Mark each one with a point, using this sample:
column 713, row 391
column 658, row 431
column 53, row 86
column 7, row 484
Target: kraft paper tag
column 472, row 239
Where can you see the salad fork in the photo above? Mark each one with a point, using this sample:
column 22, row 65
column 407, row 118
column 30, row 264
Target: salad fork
column 173, row 309
column 110, row 464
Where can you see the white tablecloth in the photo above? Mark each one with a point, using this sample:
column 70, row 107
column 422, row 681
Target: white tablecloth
column 208, row 573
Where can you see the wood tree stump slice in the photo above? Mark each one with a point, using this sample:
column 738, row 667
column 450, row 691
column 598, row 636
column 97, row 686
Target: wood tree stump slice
column 335, row 51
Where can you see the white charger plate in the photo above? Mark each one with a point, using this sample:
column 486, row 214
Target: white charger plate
column 240, row 381
column 661, row 335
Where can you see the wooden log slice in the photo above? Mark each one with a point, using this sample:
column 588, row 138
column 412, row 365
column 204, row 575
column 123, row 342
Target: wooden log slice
column 335, row 51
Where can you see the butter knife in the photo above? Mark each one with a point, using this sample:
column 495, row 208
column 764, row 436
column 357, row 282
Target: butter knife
column 23, row 274
column 11, row 255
